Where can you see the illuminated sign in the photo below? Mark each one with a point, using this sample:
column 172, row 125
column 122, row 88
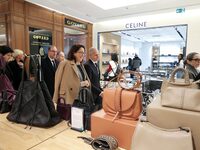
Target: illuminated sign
column 40, row 40
column 76, row 24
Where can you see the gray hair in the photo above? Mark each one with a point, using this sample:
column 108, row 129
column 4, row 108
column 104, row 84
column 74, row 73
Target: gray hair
column 92, row 50
column 17, row 52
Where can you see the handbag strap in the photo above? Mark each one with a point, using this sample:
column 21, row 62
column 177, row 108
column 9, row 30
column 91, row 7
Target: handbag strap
column 186, row 76
column 121, row 79
column 117, row 102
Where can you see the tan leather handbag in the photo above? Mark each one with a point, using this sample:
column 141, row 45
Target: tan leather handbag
column 180, row 93
column 150, row 137
column 123, row 103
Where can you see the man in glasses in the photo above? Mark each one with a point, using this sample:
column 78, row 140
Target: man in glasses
column 49, row 66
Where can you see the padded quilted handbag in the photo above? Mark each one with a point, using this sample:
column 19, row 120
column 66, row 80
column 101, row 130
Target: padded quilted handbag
column 123, row 102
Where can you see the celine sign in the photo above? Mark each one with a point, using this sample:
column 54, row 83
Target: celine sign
column 76, row 24
column 135, row 25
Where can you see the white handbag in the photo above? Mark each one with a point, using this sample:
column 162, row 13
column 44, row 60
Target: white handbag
column 151, row 137
column 182, row 95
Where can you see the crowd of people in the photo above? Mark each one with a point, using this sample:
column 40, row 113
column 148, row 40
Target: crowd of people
column 65, row 76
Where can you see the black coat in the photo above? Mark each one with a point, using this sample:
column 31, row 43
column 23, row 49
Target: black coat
column 94, row 77
column 14, row 73
column 48, row 73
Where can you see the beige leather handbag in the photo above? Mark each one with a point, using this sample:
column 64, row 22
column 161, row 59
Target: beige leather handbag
column 151, row 137
column 180, row 93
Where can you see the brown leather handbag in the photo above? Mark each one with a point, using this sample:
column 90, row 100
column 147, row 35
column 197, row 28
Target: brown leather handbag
column 123, row 102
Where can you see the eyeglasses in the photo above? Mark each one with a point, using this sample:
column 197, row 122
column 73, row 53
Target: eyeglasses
column 80, row 52
column 53, row 51
column 196, row 59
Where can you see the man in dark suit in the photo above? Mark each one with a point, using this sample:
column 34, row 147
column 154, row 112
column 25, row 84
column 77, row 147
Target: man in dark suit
column 49, row 66
column 92, row 69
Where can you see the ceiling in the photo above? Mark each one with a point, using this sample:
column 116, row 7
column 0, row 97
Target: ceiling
column 87, row 11
column 161, row 34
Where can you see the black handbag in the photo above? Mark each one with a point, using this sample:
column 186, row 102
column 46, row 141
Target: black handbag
column 33, row 104
column 86, row 102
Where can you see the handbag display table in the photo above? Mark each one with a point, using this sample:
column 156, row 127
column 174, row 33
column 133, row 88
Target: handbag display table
column 121, row 129
column 166, row 117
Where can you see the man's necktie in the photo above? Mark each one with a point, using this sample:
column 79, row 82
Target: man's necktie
column 96, row 67
column 53, row 64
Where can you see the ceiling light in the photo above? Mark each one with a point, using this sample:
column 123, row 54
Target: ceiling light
column 110, row 4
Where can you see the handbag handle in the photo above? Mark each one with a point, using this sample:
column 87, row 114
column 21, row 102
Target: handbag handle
column 59, row 100
column 186, row 77
column 121, row 79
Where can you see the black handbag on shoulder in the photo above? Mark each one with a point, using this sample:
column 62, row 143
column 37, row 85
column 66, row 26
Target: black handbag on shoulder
column 33, row 105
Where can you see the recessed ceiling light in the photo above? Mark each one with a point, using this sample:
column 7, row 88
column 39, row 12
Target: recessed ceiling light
column 110, row 4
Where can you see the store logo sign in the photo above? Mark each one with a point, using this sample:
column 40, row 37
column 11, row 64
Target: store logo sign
column 135, row 25
column 76, row 24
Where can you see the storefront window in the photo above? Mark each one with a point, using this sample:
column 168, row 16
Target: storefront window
column 72, row 37
column 158, row 48
column 3, row 38
column 40, row 40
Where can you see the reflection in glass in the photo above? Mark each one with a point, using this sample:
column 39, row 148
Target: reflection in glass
column 3, row 38
column 72, row 37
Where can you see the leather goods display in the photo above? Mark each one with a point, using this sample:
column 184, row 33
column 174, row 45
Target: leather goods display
column 123, row 102
column 182, row 95
column 170, row 118
column 102, row 142
column 121, row 129
column 63, row 109
column 33, row 104
column 150, row 137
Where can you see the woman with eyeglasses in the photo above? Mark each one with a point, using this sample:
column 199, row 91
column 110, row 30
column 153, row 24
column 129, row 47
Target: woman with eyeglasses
column 71, row 76
column 192, row 63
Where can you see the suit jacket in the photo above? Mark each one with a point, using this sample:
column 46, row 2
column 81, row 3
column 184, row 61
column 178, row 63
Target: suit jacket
column 94, row 76
column 67, row 82
column 48, row 72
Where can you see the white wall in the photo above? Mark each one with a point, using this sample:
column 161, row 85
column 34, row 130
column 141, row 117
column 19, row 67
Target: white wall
column 145, row 54
column 190, row 17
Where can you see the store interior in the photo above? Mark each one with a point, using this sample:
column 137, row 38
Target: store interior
column 157, row 47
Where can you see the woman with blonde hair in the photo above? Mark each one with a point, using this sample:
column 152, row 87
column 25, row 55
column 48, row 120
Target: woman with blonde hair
column 15, row 68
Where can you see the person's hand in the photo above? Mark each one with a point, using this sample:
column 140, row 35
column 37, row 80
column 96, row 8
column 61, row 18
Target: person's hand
column 101, row 94
column 85, row 83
